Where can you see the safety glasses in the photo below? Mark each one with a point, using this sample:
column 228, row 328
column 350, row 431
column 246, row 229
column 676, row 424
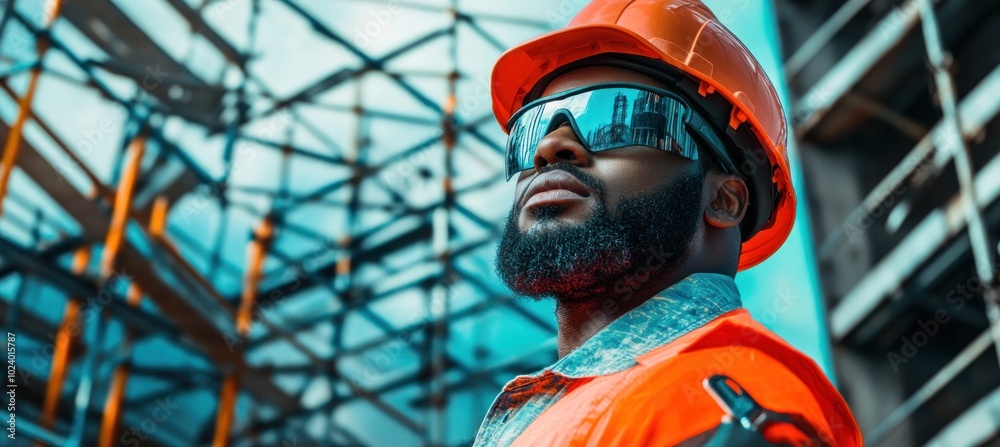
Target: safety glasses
column 612, row 116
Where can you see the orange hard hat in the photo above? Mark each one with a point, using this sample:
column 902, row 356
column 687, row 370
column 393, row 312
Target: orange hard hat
column 683, row 36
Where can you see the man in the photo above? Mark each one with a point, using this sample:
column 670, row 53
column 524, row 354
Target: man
column 649, row 151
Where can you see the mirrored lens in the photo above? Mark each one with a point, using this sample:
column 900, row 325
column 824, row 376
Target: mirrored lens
column 524, row 136
column 623, row 117
column 607, row 118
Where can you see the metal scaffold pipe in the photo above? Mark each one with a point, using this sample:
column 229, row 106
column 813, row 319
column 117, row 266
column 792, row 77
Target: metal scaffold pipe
column 978, row 234
column 257, row 253
column 227, row 402
column 123, row 205
column 952, row 142
column 113, row 404
column 14, row 139
column 67, row 335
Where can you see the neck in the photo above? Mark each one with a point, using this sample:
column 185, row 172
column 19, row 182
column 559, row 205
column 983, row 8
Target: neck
column 581, row 317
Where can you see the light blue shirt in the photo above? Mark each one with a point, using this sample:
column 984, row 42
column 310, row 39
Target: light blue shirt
column 685, row 306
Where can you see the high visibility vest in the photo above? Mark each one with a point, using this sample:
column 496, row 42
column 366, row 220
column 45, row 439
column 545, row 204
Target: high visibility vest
column 661, row 401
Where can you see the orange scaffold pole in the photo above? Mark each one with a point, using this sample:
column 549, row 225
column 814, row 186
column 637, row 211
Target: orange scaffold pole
column 256, row 253
column 112, row 406
column 13, row 146
column 68, row 331
column 123, row 204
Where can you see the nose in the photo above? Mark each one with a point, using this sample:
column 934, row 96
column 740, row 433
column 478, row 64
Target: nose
column 561, row 145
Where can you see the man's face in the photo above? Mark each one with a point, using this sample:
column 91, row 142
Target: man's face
column 581, row 222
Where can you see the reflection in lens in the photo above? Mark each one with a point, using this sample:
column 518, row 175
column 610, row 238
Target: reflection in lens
column 605, row 119
column 616, row 132
column 649, row 121
column 523, row 139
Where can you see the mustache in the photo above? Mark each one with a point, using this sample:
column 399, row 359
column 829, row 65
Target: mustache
column 590, row 181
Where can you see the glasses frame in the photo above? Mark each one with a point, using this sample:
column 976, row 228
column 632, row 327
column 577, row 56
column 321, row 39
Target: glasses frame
column 704, row 135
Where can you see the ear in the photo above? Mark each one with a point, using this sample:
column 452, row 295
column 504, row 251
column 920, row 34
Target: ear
column 727, row 198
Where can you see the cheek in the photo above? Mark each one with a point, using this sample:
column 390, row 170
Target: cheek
column 630, row 174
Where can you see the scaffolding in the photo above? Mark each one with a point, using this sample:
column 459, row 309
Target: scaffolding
column 895, row 111
column 285, row 301
column 301, row 239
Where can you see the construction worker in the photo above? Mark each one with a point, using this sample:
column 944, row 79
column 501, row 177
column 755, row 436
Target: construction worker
column 648, row 148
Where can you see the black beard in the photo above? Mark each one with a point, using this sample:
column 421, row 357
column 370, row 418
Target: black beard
column 592, row 260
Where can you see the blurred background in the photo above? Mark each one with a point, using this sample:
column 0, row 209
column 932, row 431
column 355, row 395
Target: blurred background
column 272, row 222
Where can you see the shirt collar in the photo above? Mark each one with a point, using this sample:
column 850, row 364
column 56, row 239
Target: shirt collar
column 685, row 306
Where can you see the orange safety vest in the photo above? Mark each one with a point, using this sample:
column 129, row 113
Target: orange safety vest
column 661, row 401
